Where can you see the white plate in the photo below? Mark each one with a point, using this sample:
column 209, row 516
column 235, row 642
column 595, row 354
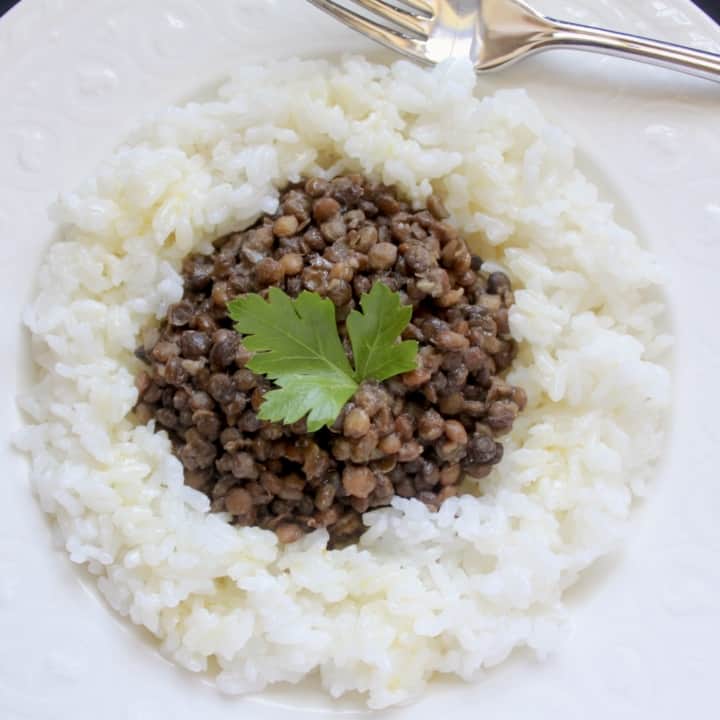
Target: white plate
column 76, row 75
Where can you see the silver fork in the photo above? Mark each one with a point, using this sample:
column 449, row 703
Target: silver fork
column 493, row 33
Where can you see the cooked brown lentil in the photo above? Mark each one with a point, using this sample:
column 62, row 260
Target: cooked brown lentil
column 414, row 436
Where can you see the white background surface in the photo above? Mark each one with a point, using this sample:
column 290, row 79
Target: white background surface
column 76, row 75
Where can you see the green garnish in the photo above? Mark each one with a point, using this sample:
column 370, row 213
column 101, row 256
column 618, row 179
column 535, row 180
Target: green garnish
column 296, row 344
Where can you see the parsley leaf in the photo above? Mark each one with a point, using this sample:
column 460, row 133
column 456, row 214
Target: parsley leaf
column 296, row 344
column 290, row 336
column 319, row 397
column 374, row 331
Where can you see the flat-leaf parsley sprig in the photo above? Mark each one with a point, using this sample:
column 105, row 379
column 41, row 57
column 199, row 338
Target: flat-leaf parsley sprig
column 296, row 345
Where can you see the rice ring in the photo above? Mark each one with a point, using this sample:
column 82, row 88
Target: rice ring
column 449, row 592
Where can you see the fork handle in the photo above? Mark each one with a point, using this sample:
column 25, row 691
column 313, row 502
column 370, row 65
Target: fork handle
column 669, row 55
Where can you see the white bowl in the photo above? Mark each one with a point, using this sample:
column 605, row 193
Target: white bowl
column 75, row 77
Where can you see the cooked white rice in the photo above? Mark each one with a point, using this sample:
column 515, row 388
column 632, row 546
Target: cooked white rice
column 423, row 593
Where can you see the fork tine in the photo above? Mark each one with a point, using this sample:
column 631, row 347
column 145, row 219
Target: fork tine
column 402, row 18
column 392, row 39
column 423, row 6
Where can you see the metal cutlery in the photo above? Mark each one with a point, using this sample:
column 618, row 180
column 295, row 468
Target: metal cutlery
column 495, row 33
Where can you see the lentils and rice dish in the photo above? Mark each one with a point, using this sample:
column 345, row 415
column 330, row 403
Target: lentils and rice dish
column 431, row 520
